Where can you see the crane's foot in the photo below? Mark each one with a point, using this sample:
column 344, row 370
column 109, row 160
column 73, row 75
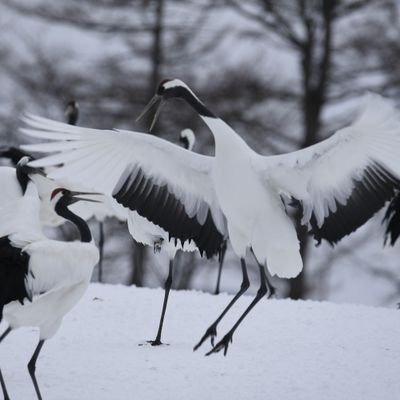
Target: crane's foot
column 211, row 333
column 157, row 342
column 222, row 344
column 154, row 343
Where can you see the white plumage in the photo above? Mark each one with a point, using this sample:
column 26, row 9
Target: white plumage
column 88, row 152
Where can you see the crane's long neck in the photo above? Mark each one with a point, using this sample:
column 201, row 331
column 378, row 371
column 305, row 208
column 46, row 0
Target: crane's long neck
column 63, row 211
column 14, row 154
column 221, row 130
column 187, row 95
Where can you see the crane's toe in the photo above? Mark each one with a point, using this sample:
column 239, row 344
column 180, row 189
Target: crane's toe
column 211, row 333
column 223, row 344
column 157, row 342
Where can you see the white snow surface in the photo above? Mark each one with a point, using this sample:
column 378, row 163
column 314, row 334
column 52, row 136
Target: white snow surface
column 284, row 350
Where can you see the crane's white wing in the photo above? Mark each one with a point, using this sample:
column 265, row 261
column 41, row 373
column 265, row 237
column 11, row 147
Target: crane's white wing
column 341, row 182
column 162, row 182
column 20, row 218
column 54, row 264
column 107, row 207
column 10, row 188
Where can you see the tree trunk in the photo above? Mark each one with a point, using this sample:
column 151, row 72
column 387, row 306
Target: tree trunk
column 139, row 256
column 315, row 82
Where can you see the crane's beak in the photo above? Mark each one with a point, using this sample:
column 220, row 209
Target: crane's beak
column 38, row 170
column 75, row 198
column 155, row 99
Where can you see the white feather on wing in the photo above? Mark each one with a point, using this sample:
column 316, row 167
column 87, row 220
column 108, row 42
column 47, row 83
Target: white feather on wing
column 354, row 161
column 106, row 160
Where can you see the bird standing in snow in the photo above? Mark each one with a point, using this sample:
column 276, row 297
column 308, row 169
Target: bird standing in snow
column 331, row 209
column 40, row 279
column 338, row 183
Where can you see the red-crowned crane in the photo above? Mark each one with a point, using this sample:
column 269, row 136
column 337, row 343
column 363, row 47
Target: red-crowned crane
column 40, row 279
column 338, row 183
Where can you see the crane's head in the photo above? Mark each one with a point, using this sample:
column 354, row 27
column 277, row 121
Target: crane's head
column 72, row 112
column 67, row 197
column 24, row 168
column 167, row 89
column 187, row 138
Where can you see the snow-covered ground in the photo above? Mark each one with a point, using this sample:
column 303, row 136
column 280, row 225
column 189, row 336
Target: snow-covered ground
column 285, row 350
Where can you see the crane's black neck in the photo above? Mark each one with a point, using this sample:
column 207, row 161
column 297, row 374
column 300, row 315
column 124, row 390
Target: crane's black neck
column 185, row 142
column 13, row 153
column 62, row 210
column 22, row 177
column 185, row 94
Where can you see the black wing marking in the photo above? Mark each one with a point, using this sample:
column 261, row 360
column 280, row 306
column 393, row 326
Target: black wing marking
column 13, row 271
column 376, row 186
column 155, row 202
column 392, row 218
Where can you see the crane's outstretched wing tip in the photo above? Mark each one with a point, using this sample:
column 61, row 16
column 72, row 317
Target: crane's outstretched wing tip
column 376, row 109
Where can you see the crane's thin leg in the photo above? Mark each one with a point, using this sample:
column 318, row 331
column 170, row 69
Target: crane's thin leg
column 167, row 288
column 270, row 287
column 211, row 332
column 5, row 333
column 32, row 367
column 221, row 262
column 224, row 342
column 2, row 382
column 3, row 387
column 101, row 251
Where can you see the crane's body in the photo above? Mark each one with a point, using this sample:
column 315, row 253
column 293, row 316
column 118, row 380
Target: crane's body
column 41, row 279
column 337, row 184
column 250, row 217
column 58, row 275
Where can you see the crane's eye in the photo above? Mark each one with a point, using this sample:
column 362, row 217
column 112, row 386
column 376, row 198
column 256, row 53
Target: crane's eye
column 160, row 89
column 161, row 86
